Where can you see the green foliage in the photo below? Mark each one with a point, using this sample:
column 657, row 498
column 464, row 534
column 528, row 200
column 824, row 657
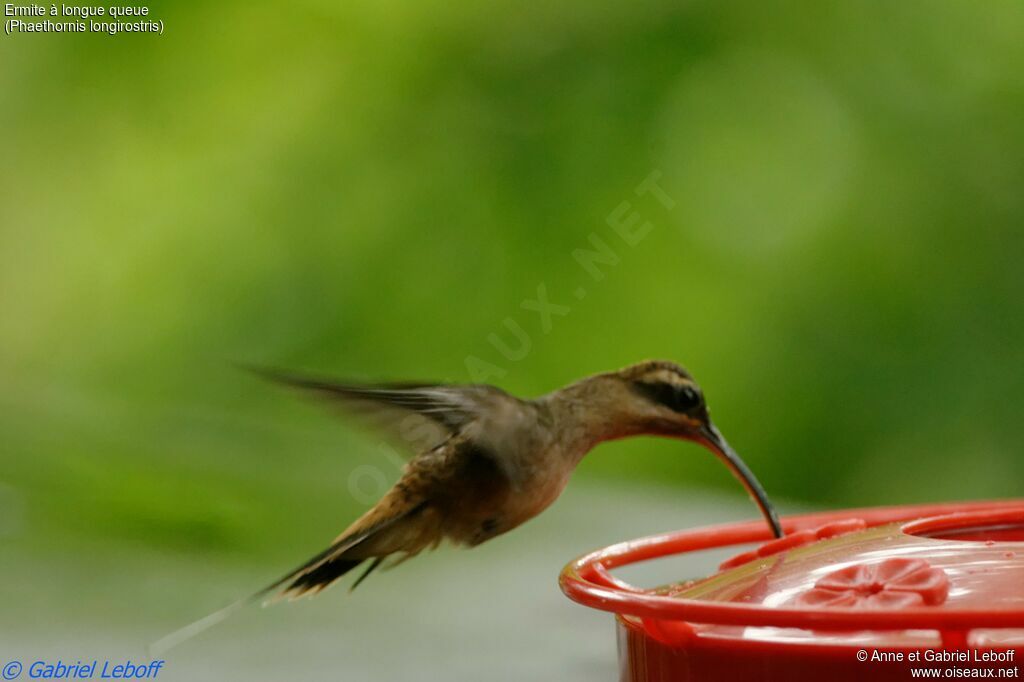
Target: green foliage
column 371, row 190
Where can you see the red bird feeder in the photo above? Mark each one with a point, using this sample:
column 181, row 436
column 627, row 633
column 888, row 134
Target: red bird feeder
column 879, row 594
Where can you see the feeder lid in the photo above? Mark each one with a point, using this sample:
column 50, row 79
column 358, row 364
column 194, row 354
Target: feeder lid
column 898, row 575
column 960, row 560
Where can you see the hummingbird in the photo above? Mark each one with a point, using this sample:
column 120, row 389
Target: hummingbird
column 486, row 461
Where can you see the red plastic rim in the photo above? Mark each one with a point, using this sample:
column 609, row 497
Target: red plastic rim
column 587, row 579
column 1005, row 525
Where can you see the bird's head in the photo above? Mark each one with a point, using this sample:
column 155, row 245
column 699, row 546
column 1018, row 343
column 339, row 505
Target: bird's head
column 660, row 398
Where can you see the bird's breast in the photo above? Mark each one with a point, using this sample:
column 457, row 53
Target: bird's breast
column 541, row 484
column 533, row 480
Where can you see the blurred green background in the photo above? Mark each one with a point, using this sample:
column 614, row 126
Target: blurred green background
column 371, row 190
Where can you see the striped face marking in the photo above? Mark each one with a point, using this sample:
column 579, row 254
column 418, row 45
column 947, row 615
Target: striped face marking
column 671, row 388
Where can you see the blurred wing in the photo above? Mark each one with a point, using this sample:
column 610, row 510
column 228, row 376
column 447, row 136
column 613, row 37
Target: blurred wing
column 417, row 417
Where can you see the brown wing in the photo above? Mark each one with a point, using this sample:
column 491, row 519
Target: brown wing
column 467, row 486
column 416, row 416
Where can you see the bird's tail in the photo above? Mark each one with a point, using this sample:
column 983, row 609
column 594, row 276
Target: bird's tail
column 310, row 578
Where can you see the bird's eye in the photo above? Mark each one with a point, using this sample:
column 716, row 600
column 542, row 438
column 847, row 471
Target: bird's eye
column 687, row 398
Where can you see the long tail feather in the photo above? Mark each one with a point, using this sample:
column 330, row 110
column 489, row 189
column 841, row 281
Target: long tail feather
column 168, row 642
column 309, row 578
column 186, row 633
column 369, row 569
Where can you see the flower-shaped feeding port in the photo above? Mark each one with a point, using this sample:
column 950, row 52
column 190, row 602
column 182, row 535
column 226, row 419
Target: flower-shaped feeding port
column 892, row 584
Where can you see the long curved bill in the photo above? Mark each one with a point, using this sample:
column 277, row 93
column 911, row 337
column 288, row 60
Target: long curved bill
column 712, row 438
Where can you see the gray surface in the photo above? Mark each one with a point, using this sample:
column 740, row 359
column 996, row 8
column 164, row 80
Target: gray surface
column 492, row 613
